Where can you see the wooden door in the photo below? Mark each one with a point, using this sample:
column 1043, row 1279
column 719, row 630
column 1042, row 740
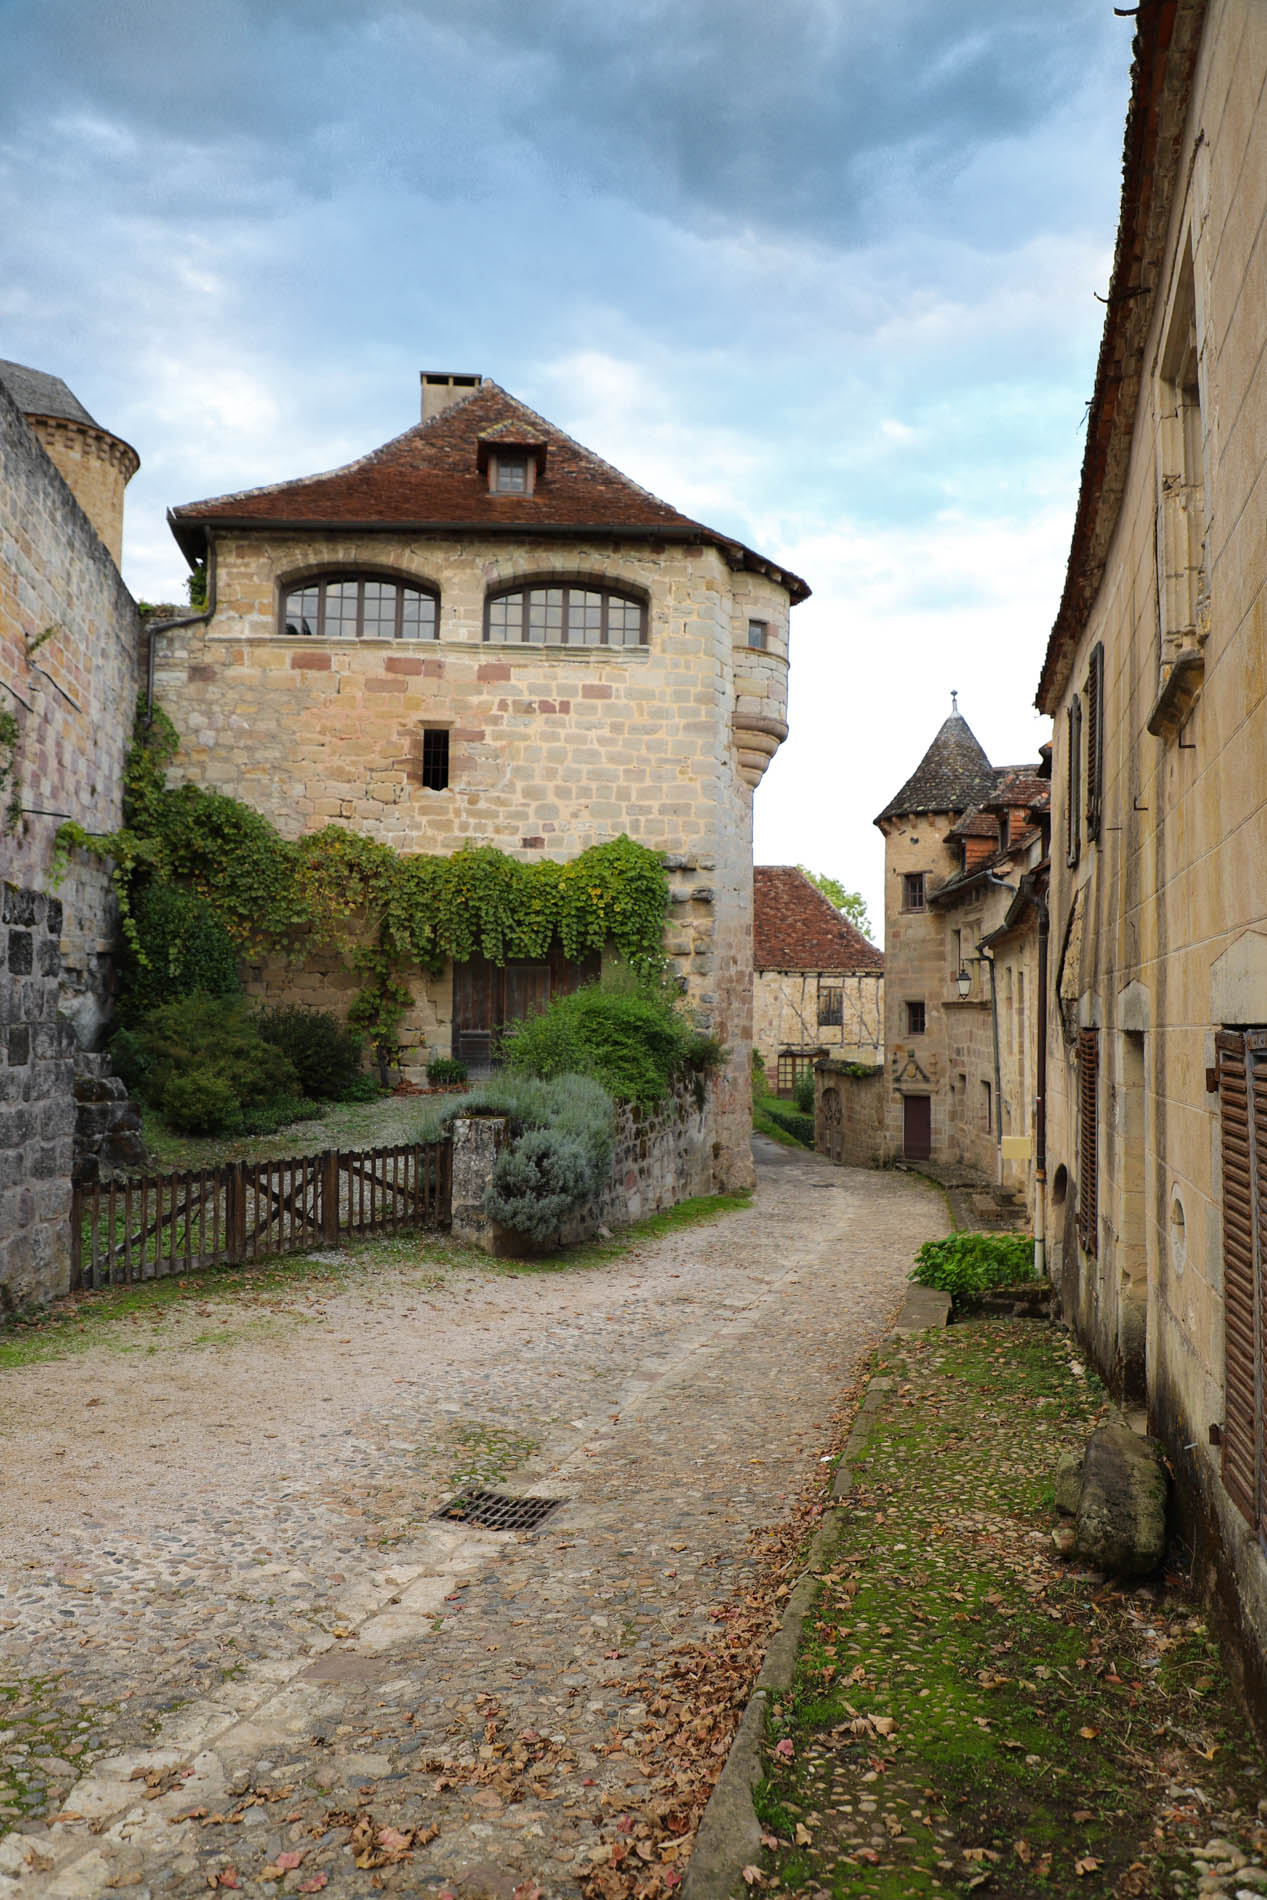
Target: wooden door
column 487, row 996
column 917, row 1127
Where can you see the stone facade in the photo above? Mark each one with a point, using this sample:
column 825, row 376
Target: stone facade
column 660, row 1156
column 552, row 748
column 70, row 667
column 960, row 1057
column 37, row 1102
column 70, row 664
column 1156, row 680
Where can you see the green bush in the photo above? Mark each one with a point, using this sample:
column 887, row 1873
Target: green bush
column 803, row 1093
column 539, row 1181
column 200, row 1102
column 800, row 1127
column 184, row 949
column 325, row 1055
column 557, row 1159
column 964, row 1264
column 204, row 1034
column 446, row 1071
column 629, row 1034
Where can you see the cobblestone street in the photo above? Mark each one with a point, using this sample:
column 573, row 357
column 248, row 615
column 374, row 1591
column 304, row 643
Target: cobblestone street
column 223, row 1592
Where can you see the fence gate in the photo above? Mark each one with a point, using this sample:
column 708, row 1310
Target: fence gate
column 151, row 1225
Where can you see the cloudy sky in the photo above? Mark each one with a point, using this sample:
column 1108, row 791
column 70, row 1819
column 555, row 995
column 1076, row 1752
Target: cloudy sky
column 821, row 272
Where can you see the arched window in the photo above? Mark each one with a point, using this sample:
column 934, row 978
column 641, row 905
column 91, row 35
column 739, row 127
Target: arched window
column 567, row 616
column 360, row 607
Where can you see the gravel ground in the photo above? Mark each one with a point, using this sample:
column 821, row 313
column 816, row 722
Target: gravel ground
column 224, row 1597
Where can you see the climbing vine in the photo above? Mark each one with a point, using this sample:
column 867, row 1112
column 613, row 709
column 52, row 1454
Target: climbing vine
column 382, row 912
column 9, row 782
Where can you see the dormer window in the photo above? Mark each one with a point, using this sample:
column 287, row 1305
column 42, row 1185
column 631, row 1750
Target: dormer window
column 511, row 459
column 508, row 472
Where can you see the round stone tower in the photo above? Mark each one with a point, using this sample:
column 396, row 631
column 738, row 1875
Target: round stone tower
column 95, row 465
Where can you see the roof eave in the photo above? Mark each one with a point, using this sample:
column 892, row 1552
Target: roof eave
column 191, row 532
column 1166, row 45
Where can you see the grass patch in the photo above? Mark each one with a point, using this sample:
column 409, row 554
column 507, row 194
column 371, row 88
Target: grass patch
column 43, row 1723
column 764, row 1109
column 965, row 1706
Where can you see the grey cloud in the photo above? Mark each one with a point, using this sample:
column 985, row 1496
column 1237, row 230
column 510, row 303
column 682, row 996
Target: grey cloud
column 805, row 115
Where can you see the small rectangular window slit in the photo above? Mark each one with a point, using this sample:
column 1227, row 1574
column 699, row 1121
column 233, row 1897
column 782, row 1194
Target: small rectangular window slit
column 435, row 758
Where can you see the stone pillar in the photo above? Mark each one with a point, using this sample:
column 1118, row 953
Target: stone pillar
column 477, row 1142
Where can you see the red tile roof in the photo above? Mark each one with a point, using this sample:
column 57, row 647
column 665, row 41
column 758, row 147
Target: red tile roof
column 795, row 928
column 429, row 480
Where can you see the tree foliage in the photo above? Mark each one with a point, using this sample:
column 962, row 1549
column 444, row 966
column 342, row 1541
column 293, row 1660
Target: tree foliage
column 850, row 904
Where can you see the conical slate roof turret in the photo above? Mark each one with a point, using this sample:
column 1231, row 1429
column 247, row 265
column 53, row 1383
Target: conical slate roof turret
column 953, row 775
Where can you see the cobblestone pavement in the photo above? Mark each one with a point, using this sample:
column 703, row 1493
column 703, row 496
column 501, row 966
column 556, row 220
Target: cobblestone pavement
column 223, row 1595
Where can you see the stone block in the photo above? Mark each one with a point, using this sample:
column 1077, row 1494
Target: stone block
column 21, row 952
column 18, row 1039
column 1121, row 1517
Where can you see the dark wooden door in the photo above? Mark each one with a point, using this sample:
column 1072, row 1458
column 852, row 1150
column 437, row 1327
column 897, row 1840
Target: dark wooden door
column 487, row 996
column 917, row 1127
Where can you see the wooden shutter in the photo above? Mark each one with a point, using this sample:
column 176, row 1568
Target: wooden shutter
column 1088, row 1103
column 1073, row 782
column 1243, row 1190
column 1095, row 741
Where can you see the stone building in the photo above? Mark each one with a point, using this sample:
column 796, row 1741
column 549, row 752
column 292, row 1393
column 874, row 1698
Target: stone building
column 961, row 1001
column 483, row 633
column 70, row 668
column 1156, row 678
column 818, row 984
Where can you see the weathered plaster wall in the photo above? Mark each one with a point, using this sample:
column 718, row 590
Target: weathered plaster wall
column 552, row 749
column 785, row 1015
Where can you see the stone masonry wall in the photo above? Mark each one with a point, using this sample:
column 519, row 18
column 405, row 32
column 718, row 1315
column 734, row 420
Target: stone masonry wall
column 37, row 1103
column 659, row 1157
column 552, row 749
column 70, row 669
column 785, row 1015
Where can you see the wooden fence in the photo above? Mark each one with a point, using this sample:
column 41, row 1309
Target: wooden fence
column 152, row 1225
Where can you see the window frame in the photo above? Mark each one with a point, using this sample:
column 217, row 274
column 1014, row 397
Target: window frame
column 328, row 577
column 1073, row 782
column 831, row 1003
column 436, row 761
column 1088, row 1141
column 915, row 1011
column 802, row 1063
column 911, row 882
column 761, row 628
column 568, row 585
column 1093, row 692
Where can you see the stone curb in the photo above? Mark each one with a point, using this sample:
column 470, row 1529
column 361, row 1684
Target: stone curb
column 729, row 1836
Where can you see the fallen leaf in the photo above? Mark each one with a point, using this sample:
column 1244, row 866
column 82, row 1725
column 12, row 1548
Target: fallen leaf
column 313, row 1884
column 1087, row 1865
column 753, row 1875
column 785, row 1749
column 803, row 1836
column 1088, row 1734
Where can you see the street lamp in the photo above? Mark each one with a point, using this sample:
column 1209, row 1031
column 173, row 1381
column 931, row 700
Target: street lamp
column 963, row 983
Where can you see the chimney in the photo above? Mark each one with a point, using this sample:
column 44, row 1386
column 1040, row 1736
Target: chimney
column 441, row 388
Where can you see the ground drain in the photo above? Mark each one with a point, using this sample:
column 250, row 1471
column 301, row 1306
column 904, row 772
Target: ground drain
column 497, row 1511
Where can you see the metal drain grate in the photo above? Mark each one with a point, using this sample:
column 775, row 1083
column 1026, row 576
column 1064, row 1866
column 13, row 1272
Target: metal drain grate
column 496, row 1511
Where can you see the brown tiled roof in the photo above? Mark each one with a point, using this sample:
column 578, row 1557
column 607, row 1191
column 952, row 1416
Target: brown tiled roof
column 429, row 480
column 1022, row 787
column 976, row 823
column 795, row 928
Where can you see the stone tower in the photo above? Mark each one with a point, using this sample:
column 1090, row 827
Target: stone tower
column 95, row 465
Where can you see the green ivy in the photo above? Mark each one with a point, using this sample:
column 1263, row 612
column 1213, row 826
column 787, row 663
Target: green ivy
column 9, row 736
column 383, row 913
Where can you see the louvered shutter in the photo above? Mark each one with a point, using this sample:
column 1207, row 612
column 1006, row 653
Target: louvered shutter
column 1257, row 1050
column 1242, row 1253
column 1073, row 781
column 1088, row 1102
column 1095, row 741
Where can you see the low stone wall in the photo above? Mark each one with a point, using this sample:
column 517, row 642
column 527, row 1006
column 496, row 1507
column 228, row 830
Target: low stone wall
column 659, row 1157
column 849, row 1112
column 37, row 1102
